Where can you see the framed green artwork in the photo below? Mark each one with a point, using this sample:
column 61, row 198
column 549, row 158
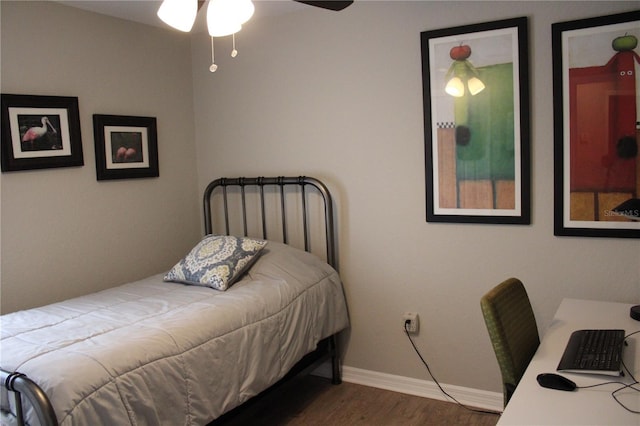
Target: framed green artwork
column 476, row 118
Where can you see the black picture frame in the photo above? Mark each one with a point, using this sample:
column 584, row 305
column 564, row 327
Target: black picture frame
column 463, row 183
column 596, row 161
column 40, row 132
column 126, row 147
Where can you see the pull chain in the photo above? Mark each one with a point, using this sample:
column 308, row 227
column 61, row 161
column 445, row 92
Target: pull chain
column 234, row 52
column 213, row 66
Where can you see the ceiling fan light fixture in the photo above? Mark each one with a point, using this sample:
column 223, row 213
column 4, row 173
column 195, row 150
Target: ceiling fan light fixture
column 221, row 28
column 243, row 9
column 225, row 17
column 179, row 14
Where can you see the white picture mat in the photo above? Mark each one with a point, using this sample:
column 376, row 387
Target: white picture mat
column 581, row 48
column 16, row 137
column 495, row 47
column 108, row 148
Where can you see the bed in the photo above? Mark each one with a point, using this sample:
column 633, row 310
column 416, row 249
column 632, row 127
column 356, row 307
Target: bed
column 163, row 351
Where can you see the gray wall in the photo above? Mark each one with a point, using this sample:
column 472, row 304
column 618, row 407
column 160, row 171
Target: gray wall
column 63, row 232
column 339, row 96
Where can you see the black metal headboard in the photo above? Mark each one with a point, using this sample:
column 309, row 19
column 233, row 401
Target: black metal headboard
column 254, row 187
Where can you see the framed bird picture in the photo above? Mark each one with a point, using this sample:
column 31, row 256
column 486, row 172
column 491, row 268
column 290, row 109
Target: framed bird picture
column 126, row 147
column 40, row 132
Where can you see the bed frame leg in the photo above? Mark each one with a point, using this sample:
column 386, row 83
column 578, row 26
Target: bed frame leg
column 18, row 404
column 336, row 376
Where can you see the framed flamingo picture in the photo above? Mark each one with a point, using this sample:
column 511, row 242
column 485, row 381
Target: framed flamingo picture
column 596, row 64
column 40, row 132
column 126, row 147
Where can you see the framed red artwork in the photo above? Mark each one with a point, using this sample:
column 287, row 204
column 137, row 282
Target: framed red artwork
column 596, row 120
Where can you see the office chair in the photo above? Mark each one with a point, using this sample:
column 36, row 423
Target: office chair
column 513, row 330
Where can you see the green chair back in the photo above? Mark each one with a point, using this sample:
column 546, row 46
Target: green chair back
column 513, row 330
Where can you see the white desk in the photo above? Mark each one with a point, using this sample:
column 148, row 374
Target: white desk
column 532, row 404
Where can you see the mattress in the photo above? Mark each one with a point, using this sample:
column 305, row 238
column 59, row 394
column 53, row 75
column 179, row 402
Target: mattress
column 159, row 353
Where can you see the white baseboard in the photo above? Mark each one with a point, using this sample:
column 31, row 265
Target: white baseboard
column 423, row 388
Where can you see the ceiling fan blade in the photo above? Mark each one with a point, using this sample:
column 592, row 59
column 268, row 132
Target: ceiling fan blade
column 327, row 4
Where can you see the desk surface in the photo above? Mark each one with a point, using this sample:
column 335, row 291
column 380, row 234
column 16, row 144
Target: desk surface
column 532, row 404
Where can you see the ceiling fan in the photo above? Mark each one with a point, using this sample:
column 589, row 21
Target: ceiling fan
column 323, row 4
column 229, row 15
column 327, row 4
column 224, row 17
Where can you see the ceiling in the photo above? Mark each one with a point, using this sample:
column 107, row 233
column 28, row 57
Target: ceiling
column 144, row 11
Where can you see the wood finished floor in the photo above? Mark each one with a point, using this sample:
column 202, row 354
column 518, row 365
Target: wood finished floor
column 312, row 400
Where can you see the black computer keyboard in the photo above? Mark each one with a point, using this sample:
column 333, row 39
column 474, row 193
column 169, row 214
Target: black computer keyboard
column 593, row 351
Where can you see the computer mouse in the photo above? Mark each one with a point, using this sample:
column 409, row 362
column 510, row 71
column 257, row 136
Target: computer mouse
column 556, row 381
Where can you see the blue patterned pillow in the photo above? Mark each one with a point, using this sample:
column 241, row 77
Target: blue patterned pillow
column 216, row 261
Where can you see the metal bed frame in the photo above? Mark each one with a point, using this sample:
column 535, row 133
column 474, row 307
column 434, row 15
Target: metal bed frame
column 279, row 182
column 20, row 385
column 259, row 184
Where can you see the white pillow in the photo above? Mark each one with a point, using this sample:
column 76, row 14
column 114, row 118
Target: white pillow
column 216, row 261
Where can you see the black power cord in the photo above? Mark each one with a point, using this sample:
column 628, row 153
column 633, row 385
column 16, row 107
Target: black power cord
column 634, row 385
column 475, row 410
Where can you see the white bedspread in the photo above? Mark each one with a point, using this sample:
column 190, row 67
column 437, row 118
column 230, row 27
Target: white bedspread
column 158, row 353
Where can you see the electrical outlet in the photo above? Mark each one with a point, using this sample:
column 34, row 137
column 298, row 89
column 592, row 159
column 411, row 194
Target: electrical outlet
column 414, row 324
